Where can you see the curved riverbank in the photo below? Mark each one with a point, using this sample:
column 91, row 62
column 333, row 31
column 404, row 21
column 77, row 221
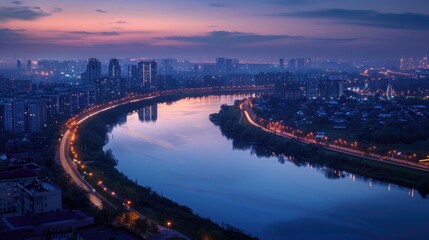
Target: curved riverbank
column 92, row 136
column 245, row 136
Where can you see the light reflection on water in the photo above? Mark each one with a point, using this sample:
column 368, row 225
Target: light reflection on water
column 182, row 155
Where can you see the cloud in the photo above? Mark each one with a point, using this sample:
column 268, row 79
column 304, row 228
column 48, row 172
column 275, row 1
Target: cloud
column 288, row 2
column 113, row 33
column 8, row 35
column 121, row 22
column 218, row 5
column 21, row 13
column 225, row 38
column 369, row 18
column 101, row 11
column 17, row 2
column 229, row 38
column 56, row 10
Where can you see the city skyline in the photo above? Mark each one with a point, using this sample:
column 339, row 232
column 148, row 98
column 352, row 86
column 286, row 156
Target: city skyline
column 255, row 31
column 214, row 119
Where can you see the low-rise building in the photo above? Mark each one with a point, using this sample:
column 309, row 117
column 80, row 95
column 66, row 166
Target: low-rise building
column 58, row 225
column 38, row 197
column 27, row 233
column 9, row 179
column 101, row 231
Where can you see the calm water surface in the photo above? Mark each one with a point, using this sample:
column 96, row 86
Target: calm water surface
column 177, row 151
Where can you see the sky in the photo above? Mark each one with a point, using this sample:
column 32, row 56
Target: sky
column 200, row 30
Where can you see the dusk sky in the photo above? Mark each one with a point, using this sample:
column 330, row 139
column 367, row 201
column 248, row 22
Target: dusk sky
column 200, row 30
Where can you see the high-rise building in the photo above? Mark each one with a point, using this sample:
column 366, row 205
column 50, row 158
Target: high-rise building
column 406, row 64
column 328, row 88
column 79, row 99
column 6, row 115
column 36, row 115
column 29, row 65
column 389, row 91
column 296, row 64
column 226, row 65
column 114, row 68
column 18, row 63
column 2, row 108
column 410, row 63
column 401, row 63
column 107, row 88
column 64, row 106
column 52, row 107
column 122, row 86
column 19, row 116
column 167, row 65
column 22, row 85
column 131, row 82
column 93, row 72
column 281, row 63
column 132, row 71
column 6, row 85
column 147, row 75
column 311, row 89
column 23, row 116
column 166, row 82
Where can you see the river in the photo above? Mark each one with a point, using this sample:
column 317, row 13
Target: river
column 178, row 152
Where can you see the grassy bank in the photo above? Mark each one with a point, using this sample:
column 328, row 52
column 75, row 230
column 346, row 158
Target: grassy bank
column 92, row 136
column 245, row 136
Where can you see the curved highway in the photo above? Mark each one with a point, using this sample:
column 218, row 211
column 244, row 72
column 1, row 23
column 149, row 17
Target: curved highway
column 64, row 158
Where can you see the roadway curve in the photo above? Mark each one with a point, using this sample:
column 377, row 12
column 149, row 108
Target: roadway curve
column 245, row 108
column 68, row 166
column 63, row 151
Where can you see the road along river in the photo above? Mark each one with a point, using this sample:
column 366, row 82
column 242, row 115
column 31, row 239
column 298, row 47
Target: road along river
column 178, row 152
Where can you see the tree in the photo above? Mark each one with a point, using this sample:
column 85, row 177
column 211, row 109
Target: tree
column 153, row 227
column 132, row 217
column 141, row 225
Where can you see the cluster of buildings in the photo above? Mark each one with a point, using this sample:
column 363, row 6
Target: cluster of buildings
column 27, row 107
column 19, row 64
column 409, row 64
column 29, row 110
column 22, row 193
column 31, row 208
column 290, row 86
column 142, row 76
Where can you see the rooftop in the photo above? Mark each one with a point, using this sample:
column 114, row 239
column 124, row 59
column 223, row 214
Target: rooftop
column 41, row 218
column 101, row 231
column 7, row 173
column 41, row 186
column 22, row 233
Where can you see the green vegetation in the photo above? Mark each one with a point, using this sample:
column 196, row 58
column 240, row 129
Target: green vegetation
column 400, row 124
column 245, row 136
column 92, row 136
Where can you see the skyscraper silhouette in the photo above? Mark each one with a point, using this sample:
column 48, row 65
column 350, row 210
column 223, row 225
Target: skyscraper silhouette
column 114, row 68
column 29, row 65
column 147, row 75
column 281, row 63
column 93, row 72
